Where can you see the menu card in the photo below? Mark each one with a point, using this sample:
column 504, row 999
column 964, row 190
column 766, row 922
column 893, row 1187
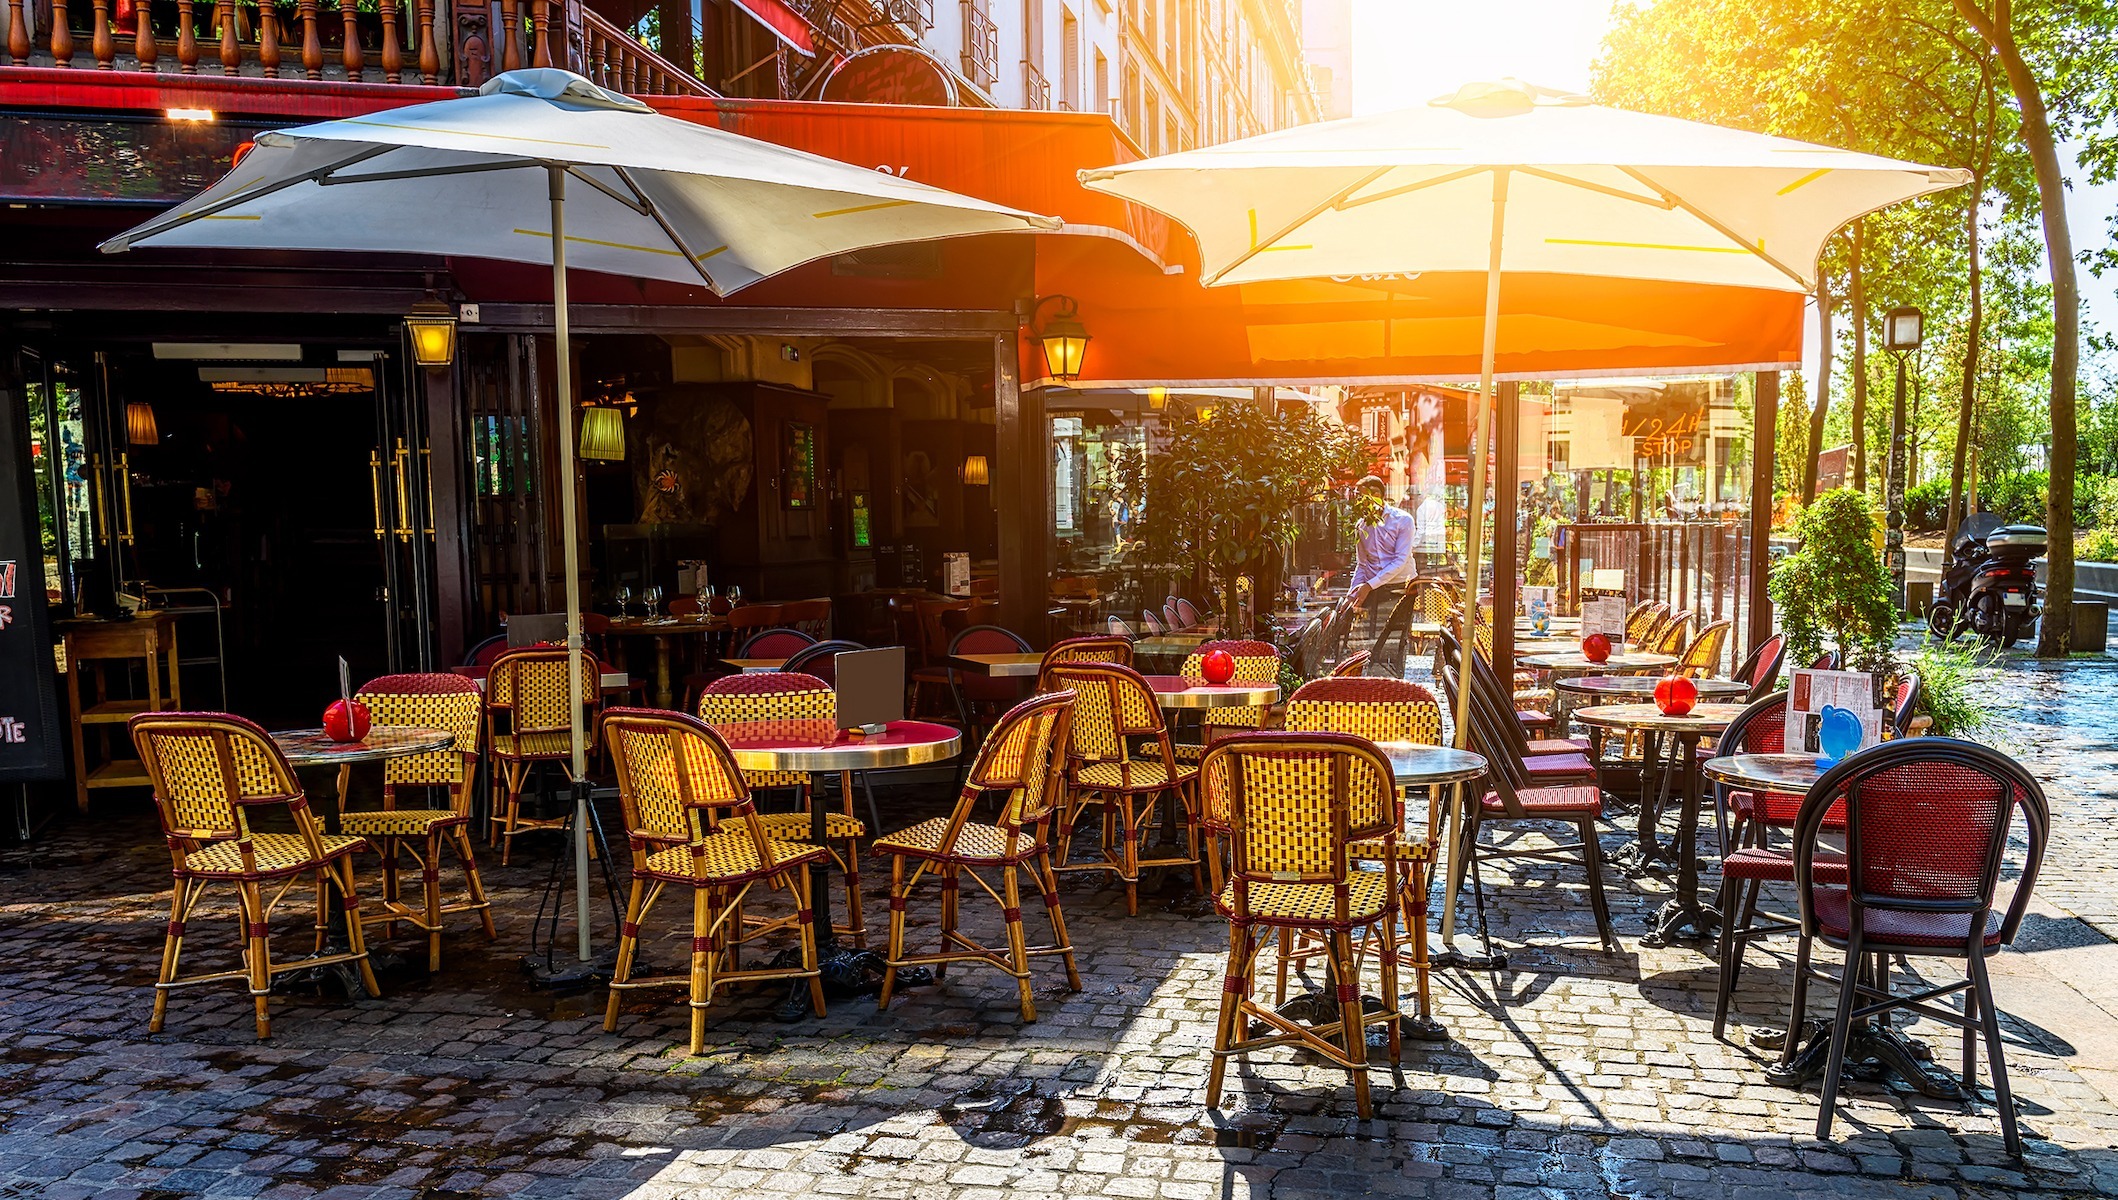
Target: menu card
column 1808, row 694
column 1531, row 595
column 1606, row 617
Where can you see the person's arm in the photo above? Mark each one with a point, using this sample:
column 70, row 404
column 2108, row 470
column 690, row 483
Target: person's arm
column 1363, row 564
column 1396, row 547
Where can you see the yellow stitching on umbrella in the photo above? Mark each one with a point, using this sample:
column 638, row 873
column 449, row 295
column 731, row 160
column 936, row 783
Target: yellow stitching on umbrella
column 1806, row 180
column 1650, row 246
column 597, row 242
column 842, row 212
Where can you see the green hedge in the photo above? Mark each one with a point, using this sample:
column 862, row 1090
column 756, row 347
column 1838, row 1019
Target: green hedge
column 1927, row 506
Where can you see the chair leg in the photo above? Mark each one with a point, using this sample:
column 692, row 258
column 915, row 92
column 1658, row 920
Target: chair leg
column 1018, row 944
column 515, row 773
column 703, row 952
column 806, row 930
column 1989, row 1017
column 1798, row 1008
column 899, row 893
column 1415, row 902
column 1235, row 989
column 391, row 887
column 1129, row 851
column 1050, row 888
column 257, row 954
column 950, row 878
column 1188, row 800
column 1592, row 857
column 874, row 813
column 1280, row 965
column 1732, row 941
column 182, row 894
column 1346, row 977
column 628, row 946
column 356, row 934
column 856, row 918
column 461, row 837
column 430, row 876
column 1841, row 1030
column 1388, row 927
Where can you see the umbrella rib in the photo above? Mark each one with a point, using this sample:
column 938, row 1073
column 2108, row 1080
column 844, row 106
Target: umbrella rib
column 229, row 202
column 649, row 207
column 633, row 202
column 1392, row 193
column 331, row 178
column 1335, row 199
column 1679, row 202
column 1659, row 200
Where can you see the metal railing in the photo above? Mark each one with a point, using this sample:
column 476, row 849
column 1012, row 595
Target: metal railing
column 1036, row 89
column 981, row 44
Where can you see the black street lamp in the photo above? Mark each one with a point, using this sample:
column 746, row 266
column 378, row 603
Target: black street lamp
column 1902, row 328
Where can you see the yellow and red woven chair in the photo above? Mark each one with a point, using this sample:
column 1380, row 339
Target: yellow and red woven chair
column 690, row 823
column 438, row 701
column 1673, row 635
column 210, row 773
column 527, row 692
column 1255, row 662
column 1023, row 759
column 1379, row 710
column 1702, row 658
column 1353, row 666
column 1297, row 805
column 1103, row 648
column 766, row 698
column 1113, row 709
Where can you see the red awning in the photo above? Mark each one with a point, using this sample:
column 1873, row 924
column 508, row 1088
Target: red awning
column 785, row 24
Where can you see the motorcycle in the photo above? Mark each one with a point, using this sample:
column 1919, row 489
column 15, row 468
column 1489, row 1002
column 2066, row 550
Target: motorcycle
column 1990, row 586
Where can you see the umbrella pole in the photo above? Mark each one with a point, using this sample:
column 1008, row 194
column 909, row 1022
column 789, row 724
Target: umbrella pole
column 1481, row 447
column 570, row 555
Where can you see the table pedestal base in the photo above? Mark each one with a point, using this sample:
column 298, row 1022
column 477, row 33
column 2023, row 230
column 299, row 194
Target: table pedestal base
column 1450, row 958
column 1678, row 921
column 847, row 974
column 1872, row 1051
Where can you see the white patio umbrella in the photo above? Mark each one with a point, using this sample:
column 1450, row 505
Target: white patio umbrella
column 1506, row 178
column 487, row 176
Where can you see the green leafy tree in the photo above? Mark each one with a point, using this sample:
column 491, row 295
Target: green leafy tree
column 1223, row 498
column 1834, row 590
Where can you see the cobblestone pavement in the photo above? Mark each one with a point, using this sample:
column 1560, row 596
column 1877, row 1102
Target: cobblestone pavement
column 1571, row 1074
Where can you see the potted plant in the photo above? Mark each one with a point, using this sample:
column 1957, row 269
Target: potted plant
column 1222, row 498
column 1834, row 590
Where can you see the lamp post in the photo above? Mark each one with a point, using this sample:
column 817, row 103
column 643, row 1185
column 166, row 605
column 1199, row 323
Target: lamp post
column 1901, row 336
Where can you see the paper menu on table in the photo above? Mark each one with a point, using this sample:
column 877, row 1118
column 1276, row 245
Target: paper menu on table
column 1606, row 617
column 1531, row 595
column 1809, row 692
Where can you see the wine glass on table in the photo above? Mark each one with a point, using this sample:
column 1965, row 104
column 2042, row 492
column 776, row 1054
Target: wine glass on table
column 652, row 599
column 624, row 597
column 735, row 595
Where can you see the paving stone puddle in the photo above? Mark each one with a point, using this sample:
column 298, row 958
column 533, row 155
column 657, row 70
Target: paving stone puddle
column 1571, row 1074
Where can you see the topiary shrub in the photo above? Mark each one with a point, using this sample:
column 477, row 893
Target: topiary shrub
column 1834, row 590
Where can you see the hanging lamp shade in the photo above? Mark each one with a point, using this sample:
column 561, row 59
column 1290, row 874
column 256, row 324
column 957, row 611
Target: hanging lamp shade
column 140, row 427
column 976, row 472
column 603, row 434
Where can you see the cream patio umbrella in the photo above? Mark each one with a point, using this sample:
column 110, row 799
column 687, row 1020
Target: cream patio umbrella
column 1508, row 178
column 543, row 166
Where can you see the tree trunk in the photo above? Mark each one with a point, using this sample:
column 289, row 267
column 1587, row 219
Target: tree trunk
column 1822, row 408
column 1972, row 330
column 1857, row 300
column 1997, row 28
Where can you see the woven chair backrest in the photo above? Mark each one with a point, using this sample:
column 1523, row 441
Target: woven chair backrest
column 1151, row 621
column 1353, row 666
column 1096, row 648
column 1703, row 656
column 1927, row 827
column 208, row 768
column 1024, row 756
column 1643, row 621
column 770, row 703
column 674, row 770
column 437, row 701
column 1762, row 669
column 1295, row 801
column 531, row 684
column 775, row 643
column 1673, row 633
column 1112, row 704
column 1380, row 710
column 1760, row 728
column 1255, row 662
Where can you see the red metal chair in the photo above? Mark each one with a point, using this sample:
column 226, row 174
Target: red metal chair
column 211, row 772
column 1023, row 760
column 819, row 659
column 1762, row 669
column 1927, row 828
column 774, row 643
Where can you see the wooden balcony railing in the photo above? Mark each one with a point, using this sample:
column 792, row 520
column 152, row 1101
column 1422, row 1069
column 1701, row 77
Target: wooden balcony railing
column 362, row 41
column 616, row 60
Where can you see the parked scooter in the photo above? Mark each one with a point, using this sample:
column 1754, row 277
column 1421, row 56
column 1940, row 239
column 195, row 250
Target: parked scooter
column 1990, row 586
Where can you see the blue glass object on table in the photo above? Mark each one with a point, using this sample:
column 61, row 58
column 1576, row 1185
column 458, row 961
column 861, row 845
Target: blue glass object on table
column 1838, row 734
column 1540, row 617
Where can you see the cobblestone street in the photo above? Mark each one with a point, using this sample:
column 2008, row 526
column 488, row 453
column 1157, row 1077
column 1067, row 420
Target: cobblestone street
column 1569, row 1074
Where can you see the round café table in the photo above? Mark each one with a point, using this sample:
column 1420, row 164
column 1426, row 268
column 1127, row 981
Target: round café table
column 1185, row 695
column 1869, row 1040
column 820, row 747
column 312, row 749
column 1416, row 765
column 1575, row 661
column 1683, row 916
column 1642, row 687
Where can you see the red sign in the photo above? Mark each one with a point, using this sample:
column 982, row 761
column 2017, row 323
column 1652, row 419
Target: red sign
column 784, row 22
column 890, row 75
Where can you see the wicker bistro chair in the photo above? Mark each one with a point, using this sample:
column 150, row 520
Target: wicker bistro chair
column 1113, row 709
column 1353, row 666
column 1255, row 662
column 1025, row 759
column 1380, row 710
column 1104, row 648
column 770, row 697
column 209, row 772
column 691, row 824
column 1927, row 825
column 1673, row 635
column 448, row 702
column 527, row 687
column 1298, row 804
column 1644, row 621
column 1702, row 658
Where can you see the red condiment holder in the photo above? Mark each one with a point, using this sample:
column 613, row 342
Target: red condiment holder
column 1675, row 695
column 1596, row 648
column 1217, row 667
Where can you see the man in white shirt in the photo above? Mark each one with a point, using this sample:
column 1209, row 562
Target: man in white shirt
column 1383, row 556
